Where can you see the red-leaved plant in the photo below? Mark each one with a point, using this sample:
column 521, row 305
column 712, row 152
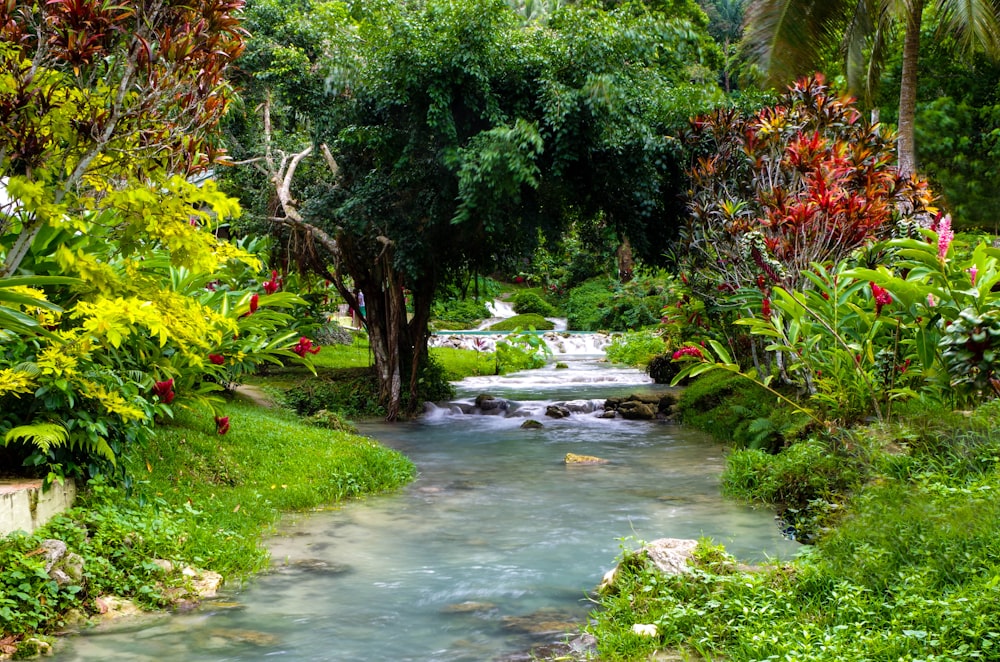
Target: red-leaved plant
column 806, row 180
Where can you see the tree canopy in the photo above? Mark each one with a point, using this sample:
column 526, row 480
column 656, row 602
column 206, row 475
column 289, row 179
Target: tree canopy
column 448, row 133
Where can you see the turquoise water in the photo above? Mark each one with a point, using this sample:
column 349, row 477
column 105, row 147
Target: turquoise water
column 496, row 533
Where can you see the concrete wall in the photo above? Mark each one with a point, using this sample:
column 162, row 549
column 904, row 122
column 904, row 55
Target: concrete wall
column 25, row 507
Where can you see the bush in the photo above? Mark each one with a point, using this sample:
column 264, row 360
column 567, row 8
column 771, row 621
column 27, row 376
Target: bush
column 605, row 304
column 635, row 349
column 517, row 322
column 352, row 393
column 465, row 312
column 529, row 302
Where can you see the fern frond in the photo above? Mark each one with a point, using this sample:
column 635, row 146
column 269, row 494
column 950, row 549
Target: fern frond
column 42, row 435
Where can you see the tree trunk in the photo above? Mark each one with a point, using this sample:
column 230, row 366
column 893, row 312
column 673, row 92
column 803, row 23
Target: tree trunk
column 908, row 91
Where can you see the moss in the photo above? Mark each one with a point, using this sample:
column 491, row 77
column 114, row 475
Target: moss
column 523, row 322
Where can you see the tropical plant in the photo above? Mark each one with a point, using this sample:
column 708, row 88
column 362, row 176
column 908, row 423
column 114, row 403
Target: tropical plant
column 635, row 348
column 786, row 37
column 804, row 181
column 521, row 350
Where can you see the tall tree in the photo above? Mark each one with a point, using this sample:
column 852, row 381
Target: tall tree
column 445, row 134
column 787, row 36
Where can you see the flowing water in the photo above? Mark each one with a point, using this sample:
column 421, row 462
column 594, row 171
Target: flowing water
column 493, row 548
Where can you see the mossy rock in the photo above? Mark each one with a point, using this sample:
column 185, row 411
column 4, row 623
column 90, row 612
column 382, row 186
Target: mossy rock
column 523, row 322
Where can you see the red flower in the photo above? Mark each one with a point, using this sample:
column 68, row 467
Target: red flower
column 689, row 350
column 222, row 424
column 217, row 359
column 519, row 279
column 273, row 285
column 882, row 298
column 305, row 346
column 766, row 308
column 254, row 302
column 164, row 391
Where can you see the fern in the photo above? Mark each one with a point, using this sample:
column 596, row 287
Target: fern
column 42, row 435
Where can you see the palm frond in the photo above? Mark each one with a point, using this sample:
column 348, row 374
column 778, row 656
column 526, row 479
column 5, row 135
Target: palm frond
column 974, row 22
column 787, row 37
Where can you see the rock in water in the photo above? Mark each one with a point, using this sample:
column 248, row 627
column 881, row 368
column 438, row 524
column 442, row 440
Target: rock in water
column 573, row 458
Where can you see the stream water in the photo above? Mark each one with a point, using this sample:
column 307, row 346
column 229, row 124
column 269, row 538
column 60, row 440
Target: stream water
column 492, row 549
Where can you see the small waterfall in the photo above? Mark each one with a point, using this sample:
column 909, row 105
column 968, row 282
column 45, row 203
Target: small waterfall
column 560, row 343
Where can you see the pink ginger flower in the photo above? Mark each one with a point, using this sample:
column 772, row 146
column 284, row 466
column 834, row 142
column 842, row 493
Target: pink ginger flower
column 930, row 300
column 972, row 274
column 945, row 236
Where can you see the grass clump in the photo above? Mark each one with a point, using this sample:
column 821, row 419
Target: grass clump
column 517, row 322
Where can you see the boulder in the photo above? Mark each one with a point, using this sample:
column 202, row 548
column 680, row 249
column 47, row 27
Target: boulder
column 531, row 424
column 579, row 406
column 557, row 411
column 637, row 411
column 203, row 583
column 111, row 607
column 668, row 555
column 490, row 404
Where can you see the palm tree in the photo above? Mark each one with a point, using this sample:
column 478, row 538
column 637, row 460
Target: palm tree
column 787, row 37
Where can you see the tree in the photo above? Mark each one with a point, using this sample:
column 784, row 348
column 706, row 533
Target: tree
column 111, row 273
column 445, row 133
column 786, row 36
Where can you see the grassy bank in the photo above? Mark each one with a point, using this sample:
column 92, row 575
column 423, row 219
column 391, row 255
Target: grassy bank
column 198, row 499
column 906, row 562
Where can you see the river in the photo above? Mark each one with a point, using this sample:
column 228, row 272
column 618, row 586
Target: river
column 492, row 549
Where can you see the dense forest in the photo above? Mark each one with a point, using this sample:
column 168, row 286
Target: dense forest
column 785, row 206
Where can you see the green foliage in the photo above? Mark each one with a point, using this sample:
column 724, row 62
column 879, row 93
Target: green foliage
column 733, row 408
column 461, row 363
column 204, row 500
column 606, row 304
column 348, row 392
column 521, row 350
column 635, row 348
column 527, row 321
column 528, row 302
column 462, row 136
column 459, row 313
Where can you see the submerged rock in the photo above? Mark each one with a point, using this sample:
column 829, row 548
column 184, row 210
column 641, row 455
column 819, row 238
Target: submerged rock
column 543, row 621
column 573, row 458
column 531, row 424
column 468, row 607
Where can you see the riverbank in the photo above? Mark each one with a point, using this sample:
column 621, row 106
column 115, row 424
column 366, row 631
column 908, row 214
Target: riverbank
column 195, row 500
column 905, row 521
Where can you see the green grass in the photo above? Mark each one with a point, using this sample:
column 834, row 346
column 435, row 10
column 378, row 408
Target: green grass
column 267, row 463
column 909, row 571
column 198, row 499
column 461, row 363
